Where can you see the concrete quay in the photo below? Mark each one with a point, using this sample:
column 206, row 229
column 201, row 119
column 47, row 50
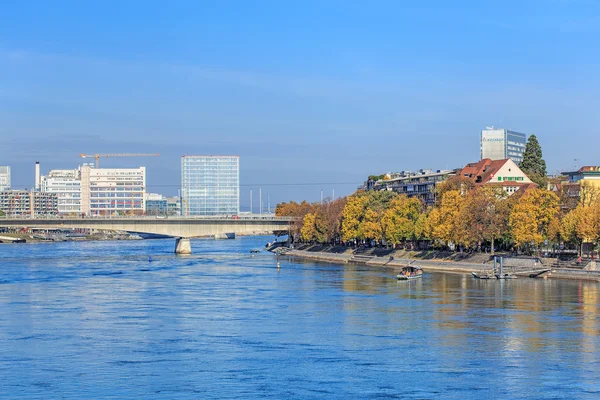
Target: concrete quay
column 447, row 266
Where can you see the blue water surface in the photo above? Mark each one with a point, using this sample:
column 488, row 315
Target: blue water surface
column 98, row 320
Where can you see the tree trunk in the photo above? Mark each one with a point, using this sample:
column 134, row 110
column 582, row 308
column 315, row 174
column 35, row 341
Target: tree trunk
column 492, row 246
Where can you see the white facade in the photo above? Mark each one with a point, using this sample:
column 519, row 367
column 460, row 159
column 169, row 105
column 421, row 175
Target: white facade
column 67, row 186
column 500, row 144
column 4, row 178
column 113, row 191
column 510, row 176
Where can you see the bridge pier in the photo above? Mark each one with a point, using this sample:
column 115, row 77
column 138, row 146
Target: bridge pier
column 183, row 246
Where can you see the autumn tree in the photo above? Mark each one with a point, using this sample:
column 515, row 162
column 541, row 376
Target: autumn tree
column 581, row 225
column 400, row 219
column 483, row 215
column 307, row 232
column 456, row 183
column 532, row 215
column 363, row 213
column 533, row 163
column 443, row 221
column 295, row 210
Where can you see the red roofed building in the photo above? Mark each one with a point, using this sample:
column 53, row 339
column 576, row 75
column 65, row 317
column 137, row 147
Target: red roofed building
column 504, row 173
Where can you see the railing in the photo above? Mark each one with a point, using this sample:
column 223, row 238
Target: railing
column 149, row 218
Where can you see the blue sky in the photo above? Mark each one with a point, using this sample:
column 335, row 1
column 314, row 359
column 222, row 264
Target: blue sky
column 304, row 92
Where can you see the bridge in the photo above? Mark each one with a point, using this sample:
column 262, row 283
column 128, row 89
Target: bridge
column 182, row 228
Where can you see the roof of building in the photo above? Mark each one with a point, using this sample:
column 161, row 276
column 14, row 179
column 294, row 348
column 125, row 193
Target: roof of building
column 589, row 169
column 482, row 171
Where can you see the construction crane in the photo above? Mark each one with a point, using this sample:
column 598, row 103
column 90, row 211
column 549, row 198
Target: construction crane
column 97, row 156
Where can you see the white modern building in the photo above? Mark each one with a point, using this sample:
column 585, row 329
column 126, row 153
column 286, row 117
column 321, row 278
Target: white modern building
column 4, row 177
column 113, row 191
column 67, row 186
column 210, row 185
column 500, row 144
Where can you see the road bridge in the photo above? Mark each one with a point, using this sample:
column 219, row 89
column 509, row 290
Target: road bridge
column 182, row 228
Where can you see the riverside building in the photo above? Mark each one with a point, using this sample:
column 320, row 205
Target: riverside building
column 210, row 185
column 112, row 191
column 67, row 186
column 505, row 173
column 500, row 144
column 22, row 203
column 4, row 177
column 421, row 184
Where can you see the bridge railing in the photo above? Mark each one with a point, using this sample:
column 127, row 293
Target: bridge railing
column 147, row 218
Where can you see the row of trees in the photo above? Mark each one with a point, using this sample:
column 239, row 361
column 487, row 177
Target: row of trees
column 469, row 218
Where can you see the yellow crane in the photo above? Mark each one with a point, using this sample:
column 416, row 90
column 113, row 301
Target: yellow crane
column 97, row 156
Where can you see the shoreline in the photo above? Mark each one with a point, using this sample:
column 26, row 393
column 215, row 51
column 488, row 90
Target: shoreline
column 444, row 266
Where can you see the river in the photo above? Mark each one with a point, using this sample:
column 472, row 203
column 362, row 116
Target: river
column 98, row 320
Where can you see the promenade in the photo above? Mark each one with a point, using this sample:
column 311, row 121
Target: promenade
column 520, row 266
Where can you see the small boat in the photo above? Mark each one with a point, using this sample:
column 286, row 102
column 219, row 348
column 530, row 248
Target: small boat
column 254, row 251
column 482, row 275
column 506, row 276
column 409, row 273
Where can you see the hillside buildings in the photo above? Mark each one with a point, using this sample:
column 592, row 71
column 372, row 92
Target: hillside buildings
column 210, row 185
column 419, row 184
column 500, row 144
column 505, row 173
column 4, row 177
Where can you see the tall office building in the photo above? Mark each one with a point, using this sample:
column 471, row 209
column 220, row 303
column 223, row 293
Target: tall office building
column 4, row 178
column 113, row 191
column 500, row 144
column 67, row 186
column 210, row 185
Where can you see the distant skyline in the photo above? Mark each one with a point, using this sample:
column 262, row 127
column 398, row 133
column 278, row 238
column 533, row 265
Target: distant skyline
column 303, row 91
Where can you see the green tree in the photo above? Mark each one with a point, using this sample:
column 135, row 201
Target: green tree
column 533, row 164
column 2, row 213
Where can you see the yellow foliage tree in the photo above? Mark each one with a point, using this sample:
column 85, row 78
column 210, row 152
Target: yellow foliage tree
column 371, row 228
column 308, row 231
column 400, row 219
column 444, row 220
column 352, row 217
column 532, row 216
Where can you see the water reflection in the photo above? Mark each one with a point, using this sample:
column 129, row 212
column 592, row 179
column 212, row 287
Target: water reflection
column 223, row 324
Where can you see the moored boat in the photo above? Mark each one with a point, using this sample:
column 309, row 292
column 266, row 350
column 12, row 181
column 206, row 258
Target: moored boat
column 410, row 272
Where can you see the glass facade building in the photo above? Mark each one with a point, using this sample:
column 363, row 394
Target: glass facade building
column 500, row 144
column 210, row 185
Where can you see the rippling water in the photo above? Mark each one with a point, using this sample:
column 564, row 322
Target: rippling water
column 97, row 320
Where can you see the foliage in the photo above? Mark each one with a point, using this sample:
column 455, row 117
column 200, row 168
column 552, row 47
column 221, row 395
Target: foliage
column 533, row 163
column 455, row 183
column 308, row 231
column 532, row 215
column 376, row 177
column 362, row 215
column 483, row 216
column 582, row 224
column 2, row 214
column 400, row 220
column 443, row 220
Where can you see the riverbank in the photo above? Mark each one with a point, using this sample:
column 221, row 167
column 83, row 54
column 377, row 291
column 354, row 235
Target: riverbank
column 436, row 261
